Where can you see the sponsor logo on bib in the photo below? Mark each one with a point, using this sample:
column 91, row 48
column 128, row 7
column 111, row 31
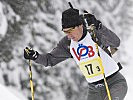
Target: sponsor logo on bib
column 83, row 51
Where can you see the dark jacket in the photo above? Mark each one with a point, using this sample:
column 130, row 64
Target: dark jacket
column 61, row 52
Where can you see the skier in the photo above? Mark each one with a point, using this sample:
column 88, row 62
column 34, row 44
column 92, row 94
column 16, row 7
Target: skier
column 94, row 60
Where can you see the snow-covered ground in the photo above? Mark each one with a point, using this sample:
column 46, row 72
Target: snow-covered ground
column 10, row 94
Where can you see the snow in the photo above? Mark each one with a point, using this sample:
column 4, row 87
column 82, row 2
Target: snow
column 6, row 94
column 128, row 69
column 40, row 27
column 3, row 22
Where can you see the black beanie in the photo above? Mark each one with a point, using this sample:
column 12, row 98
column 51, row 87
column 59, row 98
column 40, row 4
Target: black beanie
column 71, row 18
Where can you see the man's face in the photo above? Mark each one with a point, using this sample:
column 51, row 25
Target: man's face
column 74, row 33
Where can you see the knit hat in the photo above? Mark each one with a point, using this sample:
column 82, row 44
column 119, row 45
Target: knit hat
column 71, row 18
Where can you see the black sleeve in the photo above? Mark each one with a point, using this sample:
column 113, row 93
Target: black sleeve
column 60, row 53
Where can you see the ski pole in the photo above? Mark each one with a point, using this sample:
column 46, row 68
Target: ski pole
column 31, row 82
column 105, row 81
column 107, row 88
column 30, row 74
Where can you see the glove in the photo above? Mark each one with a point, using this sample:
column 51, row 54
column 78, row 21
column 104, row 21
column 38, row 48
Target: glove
column 91, row 20
column 29, row 53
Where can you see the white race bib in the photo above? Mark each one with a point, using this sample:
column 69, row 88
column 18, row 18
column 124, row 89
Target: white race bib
column 85, row 53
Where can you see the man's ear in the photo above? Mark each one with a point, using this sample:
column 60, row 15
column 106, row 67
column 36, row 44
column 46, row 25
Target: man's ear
column 80, row 26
